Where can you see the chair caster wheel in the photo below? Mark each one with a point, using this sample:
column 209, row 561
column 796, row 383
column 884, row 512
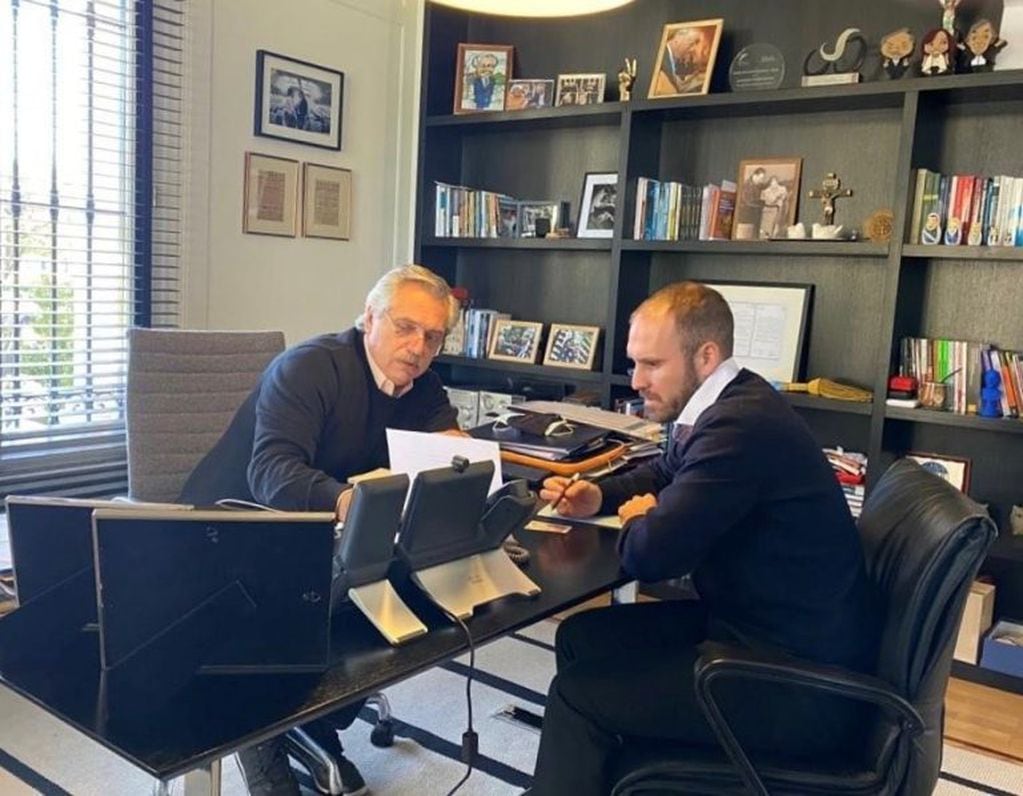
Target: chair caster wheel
column 382, row 734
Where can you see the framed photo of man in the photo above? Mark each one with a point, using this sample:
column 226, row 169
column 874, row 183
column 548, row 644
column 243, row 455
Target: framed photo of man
column 528, row 94
column 767, row 198
column 481, row 80
column 597, row 208
column 298, row 101
column 685, row 59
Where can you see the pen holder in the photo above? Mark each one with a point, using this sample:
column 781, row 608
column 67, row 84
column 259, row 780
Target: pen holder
column 933, row 394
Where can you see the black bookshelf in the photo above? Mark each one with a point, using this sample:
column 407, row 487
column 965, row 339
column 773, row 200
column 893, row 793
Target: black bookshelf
column 867, row 295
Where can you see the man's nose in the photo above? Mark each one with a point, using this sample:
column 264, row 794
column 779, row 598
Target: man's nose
column 417, row 343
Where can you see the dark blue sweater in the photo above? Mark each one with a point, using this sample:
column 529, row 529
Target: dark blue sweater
column 315, row 418
column 749, row 505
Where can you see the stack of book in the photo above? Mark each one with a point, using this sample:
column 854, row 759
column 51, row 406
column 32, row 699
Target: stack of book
column 668, row 210
column 967, row 209
column 461, row 212
column 851, row 471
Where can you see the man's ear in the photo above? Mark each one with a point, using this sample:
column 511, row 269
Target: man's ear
column 707, row 358
column 367, row 320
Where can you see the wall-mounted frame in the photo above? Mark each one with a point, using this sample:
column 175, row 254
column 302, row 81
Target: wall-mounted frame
column 515, row 341
column 953, row 469
column 572, row 346
column 597, row 206
column 770, row 326
column 270, row 200
column 298, row 101
column 326, row 202
column 481, row 78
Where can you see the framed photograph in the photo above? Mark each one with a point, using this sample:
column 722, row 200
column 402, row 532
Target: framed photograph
column 515, row 341
column 530, row 212
column 508, row 213
column 685, row 60
column 952, row 468
column 770, row 326
column 585, row 89
column 597, row 207
column 298, row 101
column 768, row 194
column 326, row 202
column 481, row 81
column 526, row 94
column 270, row 204
column 572, row 346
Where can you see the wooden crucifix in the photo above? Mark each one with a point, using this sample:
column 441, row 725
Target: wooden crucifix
column 830, row 190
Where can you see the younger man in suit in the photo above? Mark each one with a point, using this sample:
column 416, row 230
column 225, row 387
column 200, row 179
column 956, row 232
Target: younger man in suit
column 744, row 500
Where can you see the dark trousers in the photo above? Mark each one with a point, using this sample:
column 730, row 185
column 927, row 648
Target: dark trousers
column 625, row 674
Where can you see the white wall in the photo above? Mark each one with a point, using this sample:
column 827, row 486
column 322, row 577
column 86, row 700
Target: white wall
column 303, row 286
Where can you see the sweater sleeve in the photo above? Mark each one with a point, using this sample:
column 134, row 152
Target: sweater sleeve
column 295, row 398
column 715, row 485
column 437, row 412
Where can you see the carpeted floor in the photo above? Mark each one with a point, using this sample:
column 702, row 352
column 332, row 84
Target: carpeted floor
column 38, row 755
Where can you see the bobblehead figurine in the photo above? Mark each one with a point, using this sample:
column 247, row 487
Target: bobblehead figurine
column 981, row 46
column 896, row 51
column 936, row 50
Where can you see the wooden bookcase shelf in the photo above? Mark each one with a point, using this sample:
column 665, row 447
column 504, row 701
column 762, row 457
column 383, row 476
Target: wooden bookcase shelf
column 866, row 295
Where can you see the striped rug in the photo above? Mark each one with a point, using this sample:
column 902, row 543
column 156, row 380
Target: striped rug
column 425, row 759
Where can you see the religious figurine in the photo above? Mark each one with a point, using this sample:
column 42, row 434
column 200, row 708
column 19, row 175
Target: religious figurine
column 936, row 50
column 990, row 394
column 830, row 190
column 896, row 51
column 980, row 47
column 626, row 77
column 948, row 15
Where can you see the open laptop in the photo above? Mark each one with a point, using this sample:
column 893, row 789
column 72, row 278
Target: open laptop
column 157, row 572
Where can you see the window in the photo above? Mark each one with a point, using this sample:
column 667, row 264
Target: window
column 90, row 203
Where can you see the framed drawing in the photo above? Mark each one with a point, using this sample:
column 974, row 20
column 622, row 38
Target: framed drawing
column 326, row 202
column 597, row 207
column 298, row 101
column 953, row 469
column 572, row 346
column 515, row 341
column 770, row 326
column 768, row 193
column 481, row 80
column 584, row 89
column 685, row 59
column 546, row 212
column 270, row 202
column 525, row 94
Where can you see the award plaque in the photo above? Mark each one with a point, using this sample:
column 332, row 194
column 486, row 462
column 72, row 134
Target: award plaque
column 839, row 64
column 757, row 67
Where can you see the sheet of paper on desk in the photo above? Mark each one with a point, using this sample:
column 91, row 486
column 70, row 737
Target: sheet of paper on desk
column 604, row 520
column 413, row 451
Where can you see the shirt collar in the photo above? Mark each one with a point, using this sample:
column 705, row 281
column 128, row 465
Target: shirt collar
column 708, row 392
column 384, row 384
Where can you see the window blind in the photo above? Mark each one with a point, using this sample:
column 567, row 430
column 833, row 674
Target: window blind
column 90, row 225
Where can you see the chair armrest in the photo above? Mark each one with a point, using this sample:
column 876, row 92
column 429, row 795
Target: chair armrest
column 726, row 661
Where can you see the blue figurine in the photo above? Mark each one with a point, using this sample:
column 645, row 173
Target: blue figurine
column 991, row 394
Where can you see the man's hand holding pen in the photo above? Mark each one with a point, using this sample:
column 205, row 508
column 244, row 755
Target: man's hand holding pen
column 572, row 497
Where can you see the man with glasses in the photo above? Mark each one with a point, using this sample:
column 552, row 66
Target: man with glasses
column 317, row 417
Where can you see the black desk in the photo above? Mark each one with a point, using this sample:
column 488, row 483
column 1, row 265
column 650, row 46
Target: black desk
column 215, row 715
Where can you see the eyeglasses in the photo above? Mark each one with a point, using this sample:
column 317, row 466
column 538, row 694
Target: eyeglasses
column 404, row 328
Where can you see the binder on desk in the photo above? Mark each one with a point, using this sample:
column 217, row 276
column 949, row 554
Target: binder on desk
column 578, row 439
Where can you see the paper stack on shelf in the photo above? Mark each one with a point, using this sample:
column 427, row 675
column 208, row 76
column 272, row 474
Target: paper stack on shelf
column 851, row 470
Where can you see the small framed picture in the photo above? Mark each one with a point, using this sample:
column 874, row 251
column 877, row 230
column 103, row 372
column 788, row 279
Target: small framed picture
column 508, row 213
column 515, row 341
column 953, row 469
column 270, row 203
column 546, row 212
column 572, row 346
column 526, row 94
column 326, row 202
column 585, row 89
column 298, row 101
column 597, row 207
column 768, row 193
column 481, row 81
column 685, row 59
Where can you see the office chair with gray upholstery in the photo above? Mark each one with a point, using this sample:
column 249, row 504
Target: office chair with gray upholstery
column 183, row 389
column 924, row 542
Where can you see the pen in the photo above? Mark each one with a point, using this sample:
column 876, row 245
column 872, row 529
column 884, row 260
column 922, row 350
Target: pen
column 575, row 477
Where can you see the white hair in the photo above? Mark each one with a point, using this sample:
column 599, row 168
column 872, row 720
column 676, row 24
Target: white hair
column 382, row 293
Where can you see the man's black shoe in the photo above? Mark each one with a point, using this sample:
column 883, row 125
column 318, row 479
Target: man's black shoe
column 266, row 770
column 325, row 736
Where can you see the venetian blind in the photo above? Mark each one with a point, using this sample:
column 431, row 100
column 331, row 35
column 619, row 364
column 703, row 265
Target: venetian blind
column 90, row 224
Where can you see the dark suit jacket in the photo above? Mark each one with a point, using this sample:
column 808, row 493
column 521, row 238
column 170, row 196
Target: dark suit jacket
column 749, row 505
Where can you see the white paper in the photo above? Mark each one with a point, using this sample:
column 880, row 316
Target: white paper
column 414, row 451
column 604, row 520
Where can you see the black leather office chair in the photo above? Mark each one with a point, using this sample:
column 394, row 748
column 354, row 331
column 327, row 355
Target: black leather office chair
column 924, row 542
